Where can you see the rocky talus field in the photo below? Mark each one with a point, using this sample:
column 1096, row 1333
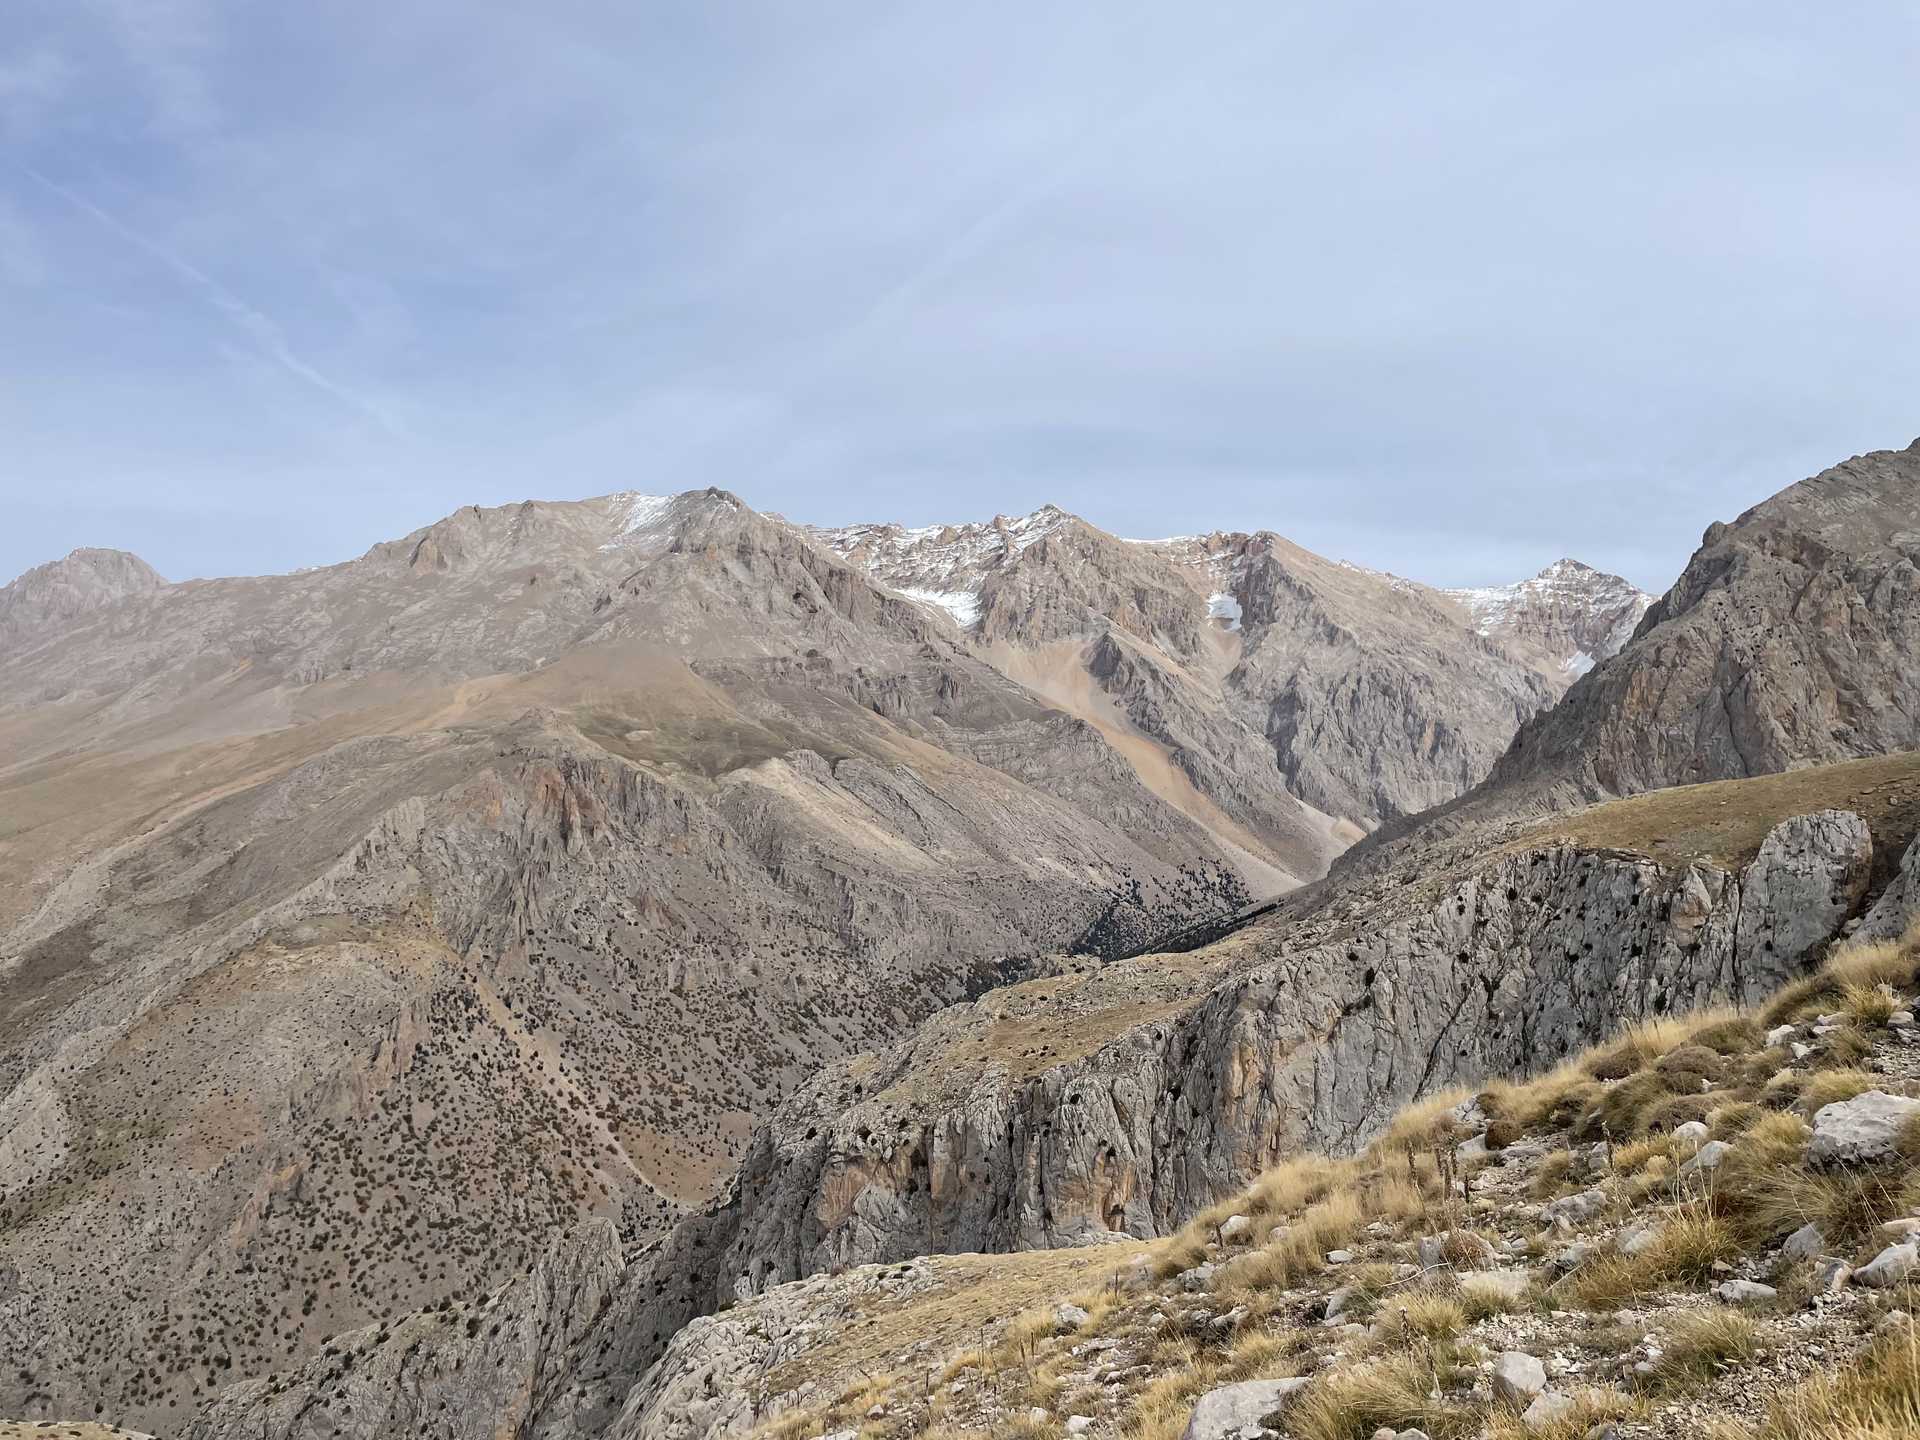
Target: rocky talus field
column 643, row 968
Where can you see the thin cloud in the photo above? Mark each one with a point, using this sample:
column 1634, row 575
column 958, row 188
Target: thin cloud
column 266, row 335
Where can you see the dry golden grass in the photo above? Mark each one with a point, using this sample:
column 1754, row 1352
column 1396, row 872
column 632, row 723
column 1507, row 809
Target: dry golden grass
column 1637, row 1154
column 1550, row 1178
column 1725, row 821
column 1639, row 1045
column 1393, row 1392
column 1761, row 1191
column 1864, row 966
column 1690, row 1242
column 1697, row 1345
column 1515, row 1108
column 1425, row 1123
column 1590, row 1408
column 1328, row 1224
column 1160, row 1412
column 1866, row 1004
column 1842, row 1048
column 1827, row 1087
column 1397, row 1196
column 971, row 1299
column 1878, row 1398
column 1481, row 1299
column 1765, row 1192
column 1429, row 1313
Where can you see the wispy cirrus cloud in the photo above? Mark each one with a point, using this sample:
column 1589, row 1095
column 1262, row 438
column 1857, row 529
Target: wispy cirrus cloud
column 260, row 328
column 1424, row 290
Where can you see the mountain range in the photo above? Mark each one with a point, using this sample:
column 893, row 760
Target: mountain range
column 574, row 917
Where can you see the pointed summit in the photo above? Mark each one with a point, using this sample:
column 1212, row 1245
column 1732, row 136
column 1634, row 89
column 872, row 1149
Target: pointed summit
column 1574, row 613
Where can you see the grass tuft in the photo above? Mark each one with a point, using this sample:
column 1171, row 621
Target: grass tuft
column 1698, row 1346
column 1877, row 1399
column 1394, row 1393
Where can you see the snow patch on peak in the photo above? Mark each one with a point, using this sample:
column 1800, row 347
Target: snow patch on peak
column 1578, row 614
column 1224, row 608
column 636, row 514
column 962, row 605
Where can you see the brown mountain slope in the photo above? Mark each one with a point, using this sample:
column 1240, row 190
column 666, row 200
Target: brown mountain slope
column 367, row 927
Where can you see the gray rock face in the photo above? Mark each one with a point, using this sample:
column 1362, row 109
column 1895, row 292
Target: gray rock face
column 1354, row 725
column 580, row 832
column 1574, row 1209
column 1859, row 1131
column 1707, row 1157
column 1789, row 639
column 1745, row 1292
column 705, row 1386
column 1899, row 904
column 1573, row 614
column 1547, row 1410
column 1810, row 876
column 45, row 601
column 1334, row 674
column 1231, row 1410
column 1173, row 1092
column 1636, row 1239
column 1086, row 1104
column 1806, row 1243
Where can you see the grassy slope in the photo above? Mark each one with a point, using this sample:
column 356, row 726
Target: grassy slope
column 1725, row 821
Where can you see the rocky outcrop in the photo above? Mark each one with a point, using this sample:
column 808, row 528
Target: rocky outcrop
column 1273, row 676
column 1860, row 1131
column 709, row 1380
column 1792, row 637
column 1506, row 969
column 1898, row 904
column 1808, row 879
column 50, row 597
column 1377, row 700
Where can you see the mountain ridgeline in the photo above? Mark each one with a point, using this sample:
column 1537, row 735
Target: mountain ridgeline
column 433, row 981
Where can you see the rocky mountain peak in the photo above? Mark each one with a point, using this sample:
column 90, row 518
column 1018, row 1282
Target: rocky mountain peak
column 1577, row 614
column 50, row 596
column 942, row 567
column 1717, row 684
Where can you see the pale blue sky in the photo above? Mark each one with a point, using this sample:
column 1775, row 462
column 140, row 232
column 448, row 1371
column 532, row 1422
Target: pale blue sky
column 1447, row 290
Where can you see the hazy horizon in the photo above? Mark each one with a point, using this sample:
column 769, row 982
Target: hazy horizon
column 1445, row 296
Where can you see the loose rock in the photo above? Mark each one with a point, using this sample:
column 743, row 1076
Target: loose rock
column 1518, row 1377
column 1222, row 1414
column 1861, row 1130
column 1889, row 1267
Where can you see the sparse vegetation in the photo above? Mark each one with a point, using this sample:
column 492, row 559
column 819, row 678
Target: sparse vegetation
column 1407, row 1345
